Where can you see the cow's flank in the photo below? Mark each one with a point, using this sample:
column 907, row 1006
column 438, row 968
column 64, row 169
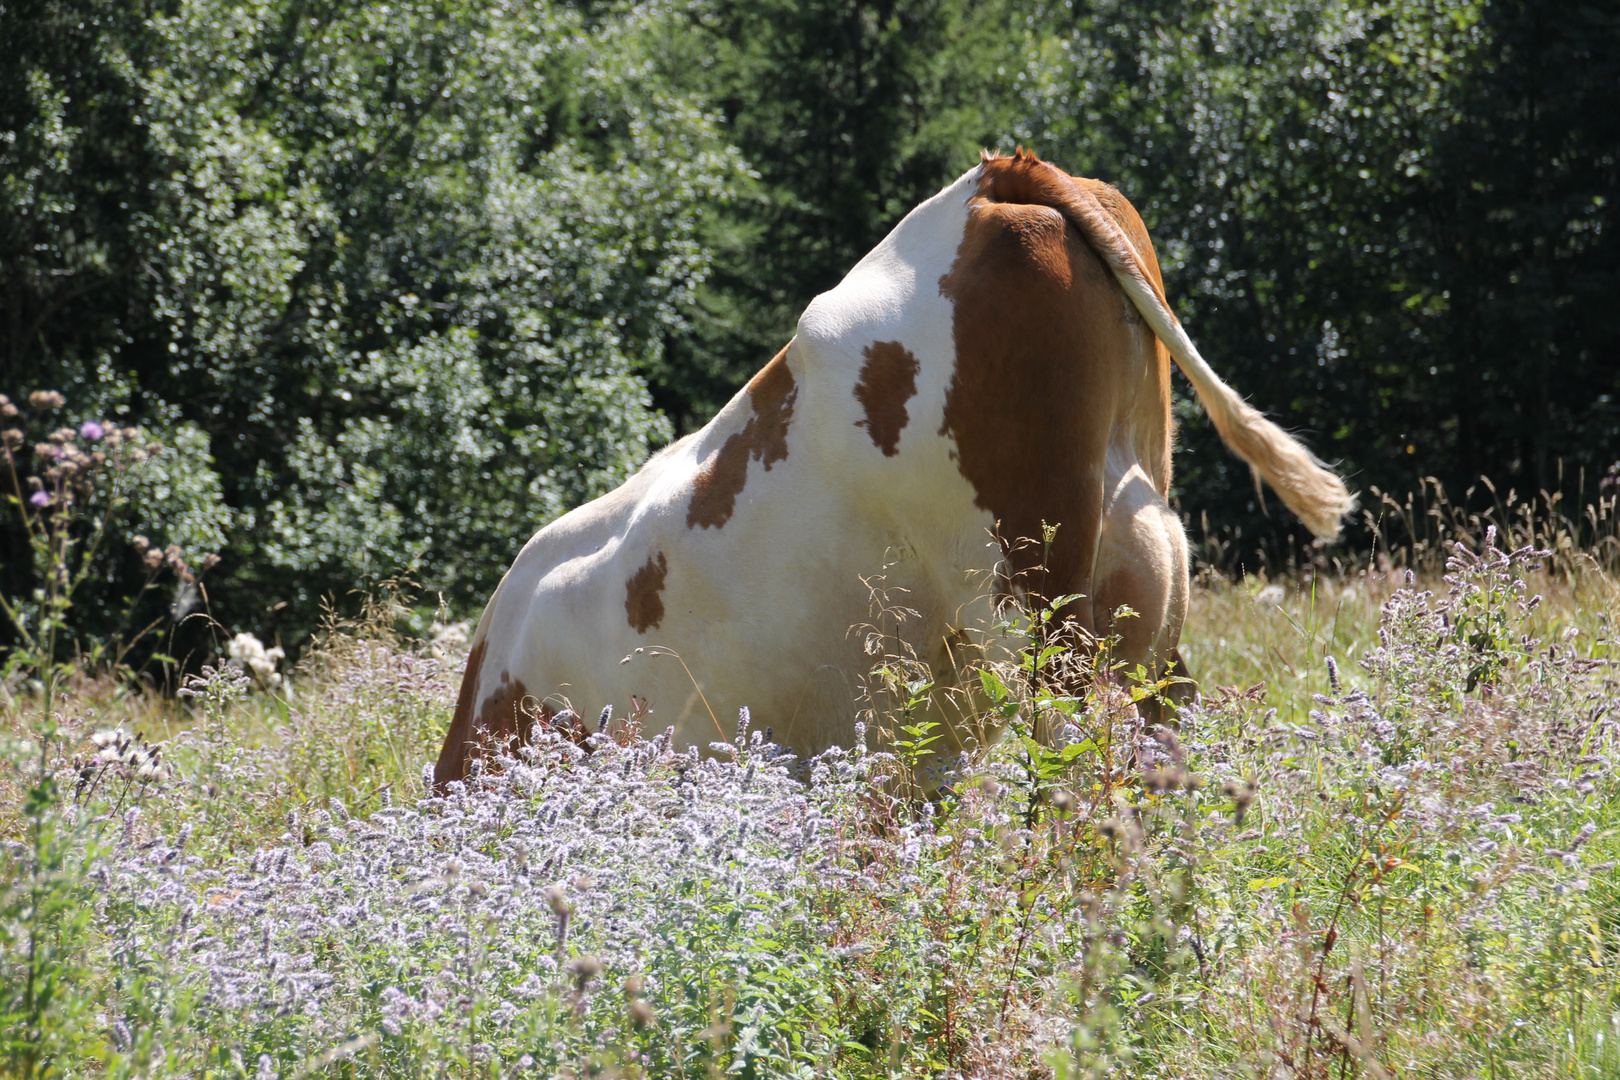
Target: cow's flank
column 888, row 380
column 764, row 439
column 641, row 600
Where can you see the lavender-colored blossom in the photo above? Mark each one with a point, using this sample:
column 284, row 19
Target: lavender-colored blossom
column 40, row 498
column 91, row 431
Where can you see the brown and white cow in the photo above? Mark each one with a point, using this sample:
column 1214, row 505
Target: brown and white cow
column 1001, row 360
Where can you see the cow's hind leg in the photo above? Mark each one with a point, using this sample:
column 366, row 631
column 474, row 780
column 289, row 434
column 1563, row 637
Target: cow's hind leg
column 1142, row 565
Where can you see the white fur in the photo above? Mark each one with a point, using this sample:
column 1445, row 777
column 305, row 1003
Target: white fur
column 760, row 610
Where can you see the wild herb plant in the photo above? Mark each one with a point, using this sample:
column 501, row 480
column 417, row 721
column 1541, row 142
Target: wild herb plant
column 1398, row 856
column 68, row 495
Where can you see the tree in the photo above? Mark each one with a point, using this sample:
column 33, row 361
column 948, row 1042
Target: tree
column 1344, row 198
column 400, row 262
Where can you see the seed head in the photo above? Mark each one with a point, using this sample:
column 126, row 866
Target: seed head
column 584, row 969
column 46, row 399
column 558, row 899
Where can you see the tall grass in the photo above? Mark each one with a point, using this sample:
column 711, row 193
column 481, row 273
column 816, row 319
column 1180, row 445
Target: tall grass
column 1384, row 842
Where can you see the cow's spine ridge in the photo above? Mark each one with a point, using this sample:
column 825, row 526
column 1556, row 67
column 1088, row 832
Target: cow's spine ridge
column 1307, row 486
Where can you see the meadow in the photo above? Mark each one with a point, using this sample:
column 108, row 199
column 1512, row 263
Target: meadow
column 1382, row 843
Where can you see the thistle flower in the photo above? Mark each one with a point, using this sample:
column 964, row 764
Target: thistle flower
column 91, row 431
column 40, row 499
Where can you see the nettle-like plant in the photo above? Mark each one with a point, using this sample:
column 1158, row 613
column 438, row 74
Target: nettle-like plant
column 69, row 491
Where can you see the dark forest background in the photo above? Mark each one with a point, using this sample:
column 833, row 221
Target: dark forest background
column 404, row 279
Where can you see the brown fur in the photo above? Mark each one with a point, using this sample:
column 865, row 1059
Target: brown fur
column 1043, row 349
column 1104, row 218
column 501, row 717
column 888, row 380
column 452, row 764
column 641, row 601
column 771, row 393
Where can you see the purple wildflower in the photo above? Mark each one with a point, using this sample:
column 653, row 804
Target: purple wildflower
column 91, row 431
column 40, row 498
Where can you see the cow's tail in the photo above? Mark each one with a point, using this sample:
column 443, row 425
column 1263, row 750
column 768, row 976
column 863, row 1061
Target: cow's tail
column 1307, row 486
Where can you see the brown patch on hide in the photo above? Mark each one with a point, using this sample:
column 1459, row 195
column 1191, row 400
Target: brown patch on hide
column 499, row 720
column 771, row 394
column 1046, row 360
column 452, row 764
column 1025, row 179
column 503, row 715
column 641, row 601
column 888, row 380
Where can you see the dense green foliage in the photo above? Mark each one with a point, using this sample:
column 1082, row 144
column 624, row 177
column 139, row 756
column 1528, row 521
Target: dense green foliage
column 1392, row 225
column 406, row 280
